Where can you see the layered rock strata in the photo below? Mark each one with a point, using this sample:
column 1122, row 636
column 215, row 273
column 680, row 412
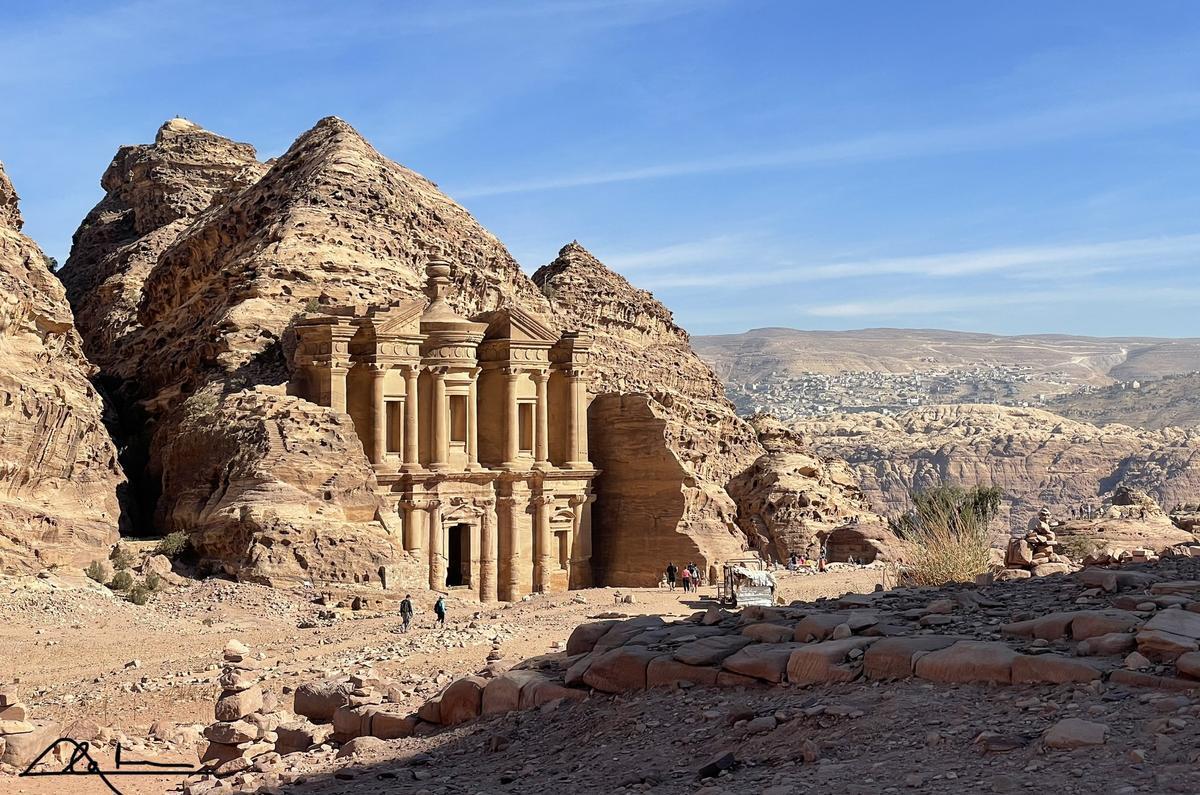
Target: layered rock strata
column 1038, row 458
column 59, row 474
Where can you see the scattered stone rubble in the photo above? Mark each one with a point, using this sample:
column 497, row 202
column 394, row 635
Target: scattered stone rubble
column 21, row 737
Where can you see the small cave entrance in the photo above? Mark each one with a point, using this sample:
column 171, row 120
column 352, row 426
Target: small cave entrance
column 845, row 543
column 132, row 430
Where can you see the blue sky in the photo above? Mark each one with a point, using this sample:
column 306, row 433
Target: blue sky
column 1009, row 167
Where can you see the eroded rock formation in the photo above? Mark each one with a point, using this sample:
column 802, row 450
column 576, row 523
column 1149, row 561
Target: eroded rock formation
column 793, row 500
column 1038, row 458
column 59, row 474
column 662, row 433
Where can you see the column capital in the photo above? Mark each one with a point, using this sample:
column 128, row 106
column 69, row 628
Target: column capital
column 511, row 371
column 507, row 500
column 540, row 376
column 438, row 369
column 576, row 500
column 575, row 373
column 411, row 369
column 543, row 499
column 485, row 502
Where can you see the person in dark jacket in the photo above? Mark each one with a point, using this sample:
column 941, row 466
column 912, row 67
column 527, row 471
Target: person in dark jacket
column 406, row 612
column 439, row 610
column 672, row 573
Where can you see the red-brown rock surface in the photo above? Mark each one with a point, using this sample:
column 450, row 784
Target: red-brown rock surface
column 662, row 432
column 59, row 474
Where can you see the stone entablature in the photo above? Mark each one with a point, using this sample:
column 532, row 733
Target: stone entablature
column 476, row 428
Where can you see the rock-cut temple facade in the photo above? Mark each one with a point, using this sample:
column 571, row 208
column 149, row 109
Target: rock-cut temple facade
column 476, row 429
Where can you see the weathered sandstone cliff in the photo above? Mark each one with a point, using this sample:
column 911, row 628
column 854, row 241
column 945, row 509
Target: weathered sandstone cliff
column 59, row 475
column 794, row 500
column 1038, row 458
column 662, row 432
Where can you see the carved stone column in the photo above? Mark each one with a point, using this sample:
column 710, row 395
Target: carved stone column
column 337, row 387
column 440, row 454
column 411, row 533
column 543, row 541
column 488, row 587
column 437, row 553
column 580, row 544
column 411, row 455
column 512, row 421
column 577, row 447
column 542, row 434
column 473, row 421
column 509, row 553
column 379, row 410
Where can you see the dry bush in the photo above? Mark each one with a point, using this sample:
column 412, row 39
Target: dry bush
column 97, row 571
column 949, row 529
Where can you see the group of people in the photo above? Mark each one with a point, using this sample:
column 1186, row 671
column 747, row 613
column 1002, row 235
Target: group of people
column 689, row 576
column 799, row 561
column 406, row 612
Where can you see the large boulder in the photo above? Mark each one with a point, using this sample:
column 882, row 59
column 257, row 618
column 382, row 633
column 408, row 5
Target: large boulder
column 317, row 701
column 620, row 670
column 462, row 700
column 968, row 661
column 828, row 661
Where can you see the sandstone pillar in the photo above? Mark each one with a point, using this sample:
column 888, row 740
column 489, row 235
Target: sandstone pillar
column 577, row 447
column 337, row 388
column 437, row 552
column 580, row 545
column 379, row 410
column 510, row 549
column 542, row 434
column 440, row 455
column 411, row 533
column 411, row 455
column 487, row 550
column 473, row 421
column 543, row 543
column 512, row 421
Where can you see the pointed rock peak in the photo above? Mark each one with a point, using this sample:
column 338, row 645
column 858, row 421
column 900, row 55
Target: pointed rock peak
column 174, row 127
column 575, row 262
column 10, row 212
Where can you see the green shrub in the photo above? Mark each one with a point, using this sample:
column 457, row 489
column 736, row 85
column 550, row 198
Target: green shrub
column 138, row 594
column 121, row 581
column 122, row 557
column 1078, row 547
column 949, row 527
column 97, row 571
column 173, row 545
column 154, row 582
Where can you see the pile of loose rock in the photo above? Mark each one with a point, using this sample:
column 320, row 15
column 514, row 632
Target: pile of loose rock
column 1038, row 552
column 21, row 738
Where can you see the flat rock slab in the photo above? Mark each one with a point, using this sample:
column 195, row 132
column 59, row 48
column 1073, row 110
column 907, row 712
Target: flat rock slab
column 1107, row 645
column 968, row 661
column 583, row 637
column 765, row 661
column 620, row 670
column 503, row 693
column 711, row 650
column 1176, row 587
column 818, row 626
column 1074, row 733
column 825, row 662
column 1052, row 668
column 893, row 658
column 769, row 633
column 626, row 631
column 1162, row 646
column 1177, row 622
column 666, row 672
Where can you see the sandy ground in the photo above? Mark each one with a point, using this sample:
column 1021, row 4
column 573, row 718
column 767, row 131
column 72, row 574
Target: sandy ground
column 79, row 654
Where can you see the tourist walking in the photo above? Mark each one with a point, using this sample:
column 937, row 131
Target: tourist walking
column 695, row 570
column 439, row 610
column 406, row 612
column 686, row 577
column 672, row 572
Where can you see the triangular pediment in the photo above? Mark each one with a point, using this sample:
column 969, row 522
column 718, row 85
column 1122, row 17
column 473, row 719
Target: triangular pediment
column 401, row 320
column 514, row 323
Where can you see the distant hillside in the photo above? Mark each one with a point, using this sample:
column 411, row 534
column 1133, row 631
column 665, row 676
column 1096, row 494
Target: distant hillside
column 794, row 373
column 1170, row 401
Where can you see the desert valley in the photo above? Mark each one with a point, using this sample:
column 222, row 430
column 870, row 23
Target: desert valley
column 743, row 398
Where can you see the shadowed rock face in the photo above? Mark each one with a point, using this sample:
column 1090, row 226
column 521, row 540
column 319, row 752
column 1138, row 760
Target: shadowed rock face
column 59, row 474
column 1038, row 458
column 663, row 434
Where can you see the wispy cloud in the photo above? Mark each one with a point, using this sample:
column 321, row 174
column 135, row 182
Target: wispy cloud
column 689, row 253
column 1034, row 260
column 1037, row 127
column 950, row 304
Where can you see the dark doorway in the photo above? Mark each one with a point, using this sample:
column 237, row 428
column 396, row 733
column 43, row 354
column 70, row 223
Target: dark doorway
column 458, row 555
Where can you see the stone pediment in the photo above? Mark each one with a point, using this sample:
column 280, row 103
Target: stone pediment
column 399, row 320
column 514, row 323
